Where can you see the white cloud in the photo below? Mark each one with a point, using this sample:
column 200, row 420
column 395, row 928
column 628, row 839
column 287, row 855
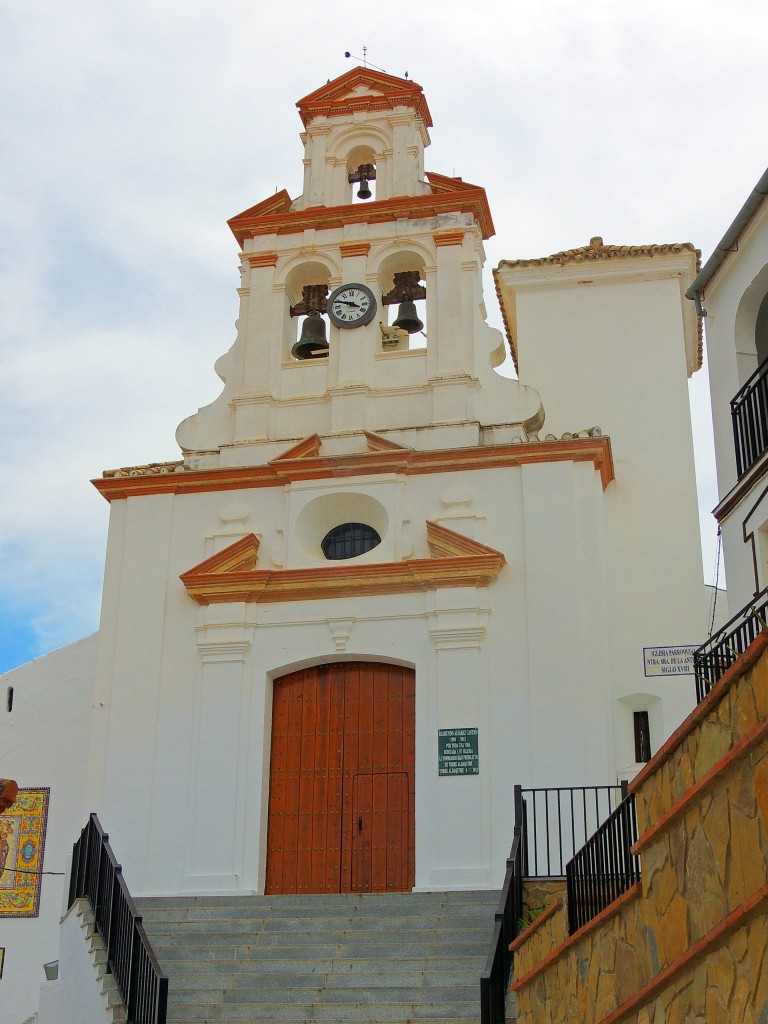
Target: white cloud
column 131, row 131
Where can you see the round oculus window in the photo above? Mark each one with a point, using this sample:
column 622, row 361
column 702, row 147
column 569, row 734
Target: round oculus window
column 349, row 540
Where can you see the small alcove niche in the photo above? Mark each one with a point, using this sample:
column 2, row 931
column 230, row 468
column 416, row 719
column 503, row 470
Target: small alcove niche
column 361, row 174
column 306, row 329
column 340, row 526
column 761, row 331
column 403, row 294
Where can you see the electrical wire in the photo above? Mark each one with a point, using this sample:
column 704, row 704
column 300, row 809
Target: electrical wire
column 717, row 578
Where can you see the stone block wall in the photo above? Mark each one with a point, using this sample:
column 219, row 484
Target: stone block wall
column 689, row 943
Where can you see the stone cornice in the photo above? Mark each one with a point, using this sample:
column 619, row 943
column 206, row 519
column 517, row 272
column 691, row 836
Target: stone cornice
column 303, row 462
column 273, row 217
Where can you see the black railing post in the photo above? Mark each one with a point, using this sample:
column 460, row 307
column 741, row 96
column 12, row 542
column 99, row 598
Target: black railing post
column 162, row 1001
column 130, row 1004
column 114, row 917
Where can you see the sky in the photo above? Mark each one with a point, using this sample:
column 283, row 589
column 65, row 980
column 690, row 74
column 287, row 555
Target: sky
column 131, row 131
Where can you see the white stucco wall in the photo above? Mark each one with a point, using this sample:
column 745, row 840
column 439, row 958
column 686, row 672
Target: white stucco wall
column 76, row 996
column 44, row 741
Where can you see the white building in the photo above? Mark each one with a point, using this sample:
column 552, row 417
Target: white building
column 733, row 286
column 463, row 580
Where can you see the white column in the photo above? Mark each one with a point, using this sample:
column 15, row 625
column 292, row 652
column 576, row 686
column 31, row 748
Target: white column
column 217, row 791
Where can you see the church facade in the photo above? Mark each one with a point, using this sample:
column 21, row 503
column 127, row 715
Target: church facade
column 385, row 583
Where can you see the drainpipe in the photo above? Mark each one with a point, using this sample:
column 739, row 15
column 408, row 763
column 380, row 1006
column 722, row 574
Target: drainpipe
column 728, row 243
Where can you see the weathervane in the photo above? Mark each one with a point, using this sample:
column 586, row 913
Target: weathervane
column 366, row 62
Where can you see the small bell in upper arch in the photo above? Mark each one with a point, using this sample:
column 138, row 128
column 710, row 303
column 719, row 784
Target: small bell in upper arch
column 365, row 173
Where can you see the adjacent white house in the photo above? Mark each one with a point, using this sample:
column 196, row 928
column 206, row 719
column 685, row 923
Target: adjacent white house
column 731, row 294
column 383, row 583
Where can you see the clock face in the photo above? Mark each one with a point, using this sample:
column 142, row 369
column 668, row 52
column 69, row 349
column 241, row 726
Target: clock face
column 351, row 305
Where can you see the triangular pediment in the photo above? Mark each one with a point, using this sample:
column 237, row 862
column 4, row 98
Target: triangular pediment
column 306, row 449
column 363, row 89
column 238, row 557
column 377, row 443
column 441, row 183
column 445, row 543
column 280, row 202
column 231, row 575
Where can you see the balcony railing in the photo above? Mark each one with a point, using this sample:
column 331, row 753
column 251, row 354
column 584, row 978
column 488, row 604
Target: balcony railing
column 558, row 821
column 604, row 867
column 731, row 640
column 749, row 413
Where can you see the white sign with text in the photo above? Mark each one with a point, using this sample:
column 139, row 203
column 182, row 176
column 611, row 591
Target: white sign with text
column 668, row 661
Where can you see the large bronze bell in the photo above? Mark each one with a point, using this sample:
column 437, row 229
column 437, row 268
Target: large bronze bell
column 312, row 344
column 407, row 319
column 364, row 191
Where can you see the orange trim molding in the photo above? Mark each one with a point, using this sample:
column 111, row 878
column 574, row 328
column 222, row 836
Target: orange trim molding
column 231, row 575
column 449, row 238
column 355, row 248
column 262, row 259
column 131, row 482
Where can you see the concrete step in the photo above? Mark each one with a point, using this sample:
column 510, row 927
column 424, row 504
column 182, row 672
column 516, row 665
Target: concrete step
column 359, row 1012
column 365, row 970
column 379, row 958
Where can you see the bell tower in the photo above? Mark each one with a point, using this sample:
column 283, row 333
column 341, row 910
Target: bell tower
column 361, row 306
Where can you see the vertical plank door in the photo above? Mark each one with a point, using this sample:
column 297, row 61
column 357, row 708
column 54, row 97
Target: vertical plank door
column 341, row 797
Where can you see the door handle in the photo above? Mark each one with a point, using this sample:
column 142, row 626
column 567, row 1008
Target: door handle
column 360, row 824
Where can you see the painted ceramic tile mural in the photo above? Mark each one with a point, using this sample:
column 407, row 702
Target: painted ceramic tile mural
column 22, row 843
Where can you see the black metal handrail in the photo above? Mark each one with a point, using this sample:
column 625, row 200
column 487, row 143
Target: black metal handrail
column 557, row 821
column 728, row 643
column 494, row 980
column 98, row 877
column 749, row 415
column 604, row 867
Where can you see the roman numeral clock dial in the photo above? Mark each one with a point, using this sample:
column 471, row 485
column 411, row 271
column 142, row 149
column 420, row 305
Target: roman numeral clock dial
column 351, row 305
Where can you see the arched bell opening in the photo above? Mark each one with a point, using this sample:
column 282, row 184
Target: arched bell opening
column 361, row 174
column 307, row 326
column 402, row 277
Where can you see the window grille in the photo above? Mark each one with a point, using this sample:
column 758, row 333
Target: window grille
column 348, row 540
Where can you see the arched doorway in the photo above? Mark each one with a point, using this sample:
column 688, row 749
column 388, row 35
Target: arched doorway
column 341, row 780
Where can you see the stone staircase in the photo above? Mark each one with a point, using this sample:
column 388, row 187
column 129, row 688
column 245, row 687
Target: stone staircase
column 374, row 957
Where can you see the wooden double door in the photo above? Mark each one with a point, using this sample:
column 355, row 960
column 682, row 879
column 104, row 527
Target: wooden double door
column 341, row 780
